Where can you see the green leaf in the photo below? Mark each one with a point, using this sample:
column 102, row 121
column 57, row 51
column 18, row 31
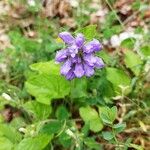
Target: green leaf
column 38, row 110
column 90, row 115
column 109, row 32
column 128, row 43
column 102, row 87
column 5, row 144
column 145, row 50
column 113, row 112
column 108, row 115
column 133, row 61
column 47, row 83
column 51, row 128
column 85, row 129
column 35, row 143
column 106, row 89
column 105, row 56
column 79, row 88
column 52, row 46
column 118, row 78
column 62, row 113
column 92, row 144
column 18, row 122
column 96, row 125
column 49, row 68
column 10, row 133
column 136, row 5
column 65, row 140
column 107, row 135
column 88, row 31
column 119, row 127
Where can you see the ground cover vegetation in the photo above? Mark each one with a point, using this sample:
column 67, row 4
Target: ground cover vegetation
column 48, row 104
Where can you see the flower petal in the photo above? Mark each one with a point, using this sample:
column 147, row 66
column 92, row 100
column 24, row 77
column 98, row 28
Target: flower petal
column 61, row 55
column 92, row 46
column 99, row 63
column 89, row 71
column 66, row 37
column 73, row 50
column 76, row 59
column 89, row 59
column 79, row 40
column 79, row 70
column 70, row 75
column 66, row 67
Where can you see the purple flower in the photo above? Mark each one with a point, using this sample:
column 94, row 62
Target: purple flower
column 78, row 57
column 61, row 55
column 92, row 46
column 79, row 70
column 66, row 67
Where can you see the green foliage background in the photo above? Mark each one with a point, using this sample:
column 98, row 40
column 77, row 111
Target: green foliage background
column 49, row 112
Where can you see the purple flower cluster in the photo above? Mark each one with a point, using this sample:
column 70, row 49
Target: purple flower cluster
column 78, row 57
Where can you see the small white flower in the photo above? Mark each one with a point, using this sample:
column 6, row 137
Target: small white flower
column 124, row 35
column 39, row 40
column 115, row 41
column 70, row 133
column 23, row 130
column 31, row 2
column 74, row 3
column 105, row 42
column 6, row 96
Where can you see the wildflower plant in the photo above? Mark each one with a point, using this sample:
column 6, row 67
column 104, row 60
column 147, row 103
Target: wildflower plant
column 73, row 115
column 78, row 57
